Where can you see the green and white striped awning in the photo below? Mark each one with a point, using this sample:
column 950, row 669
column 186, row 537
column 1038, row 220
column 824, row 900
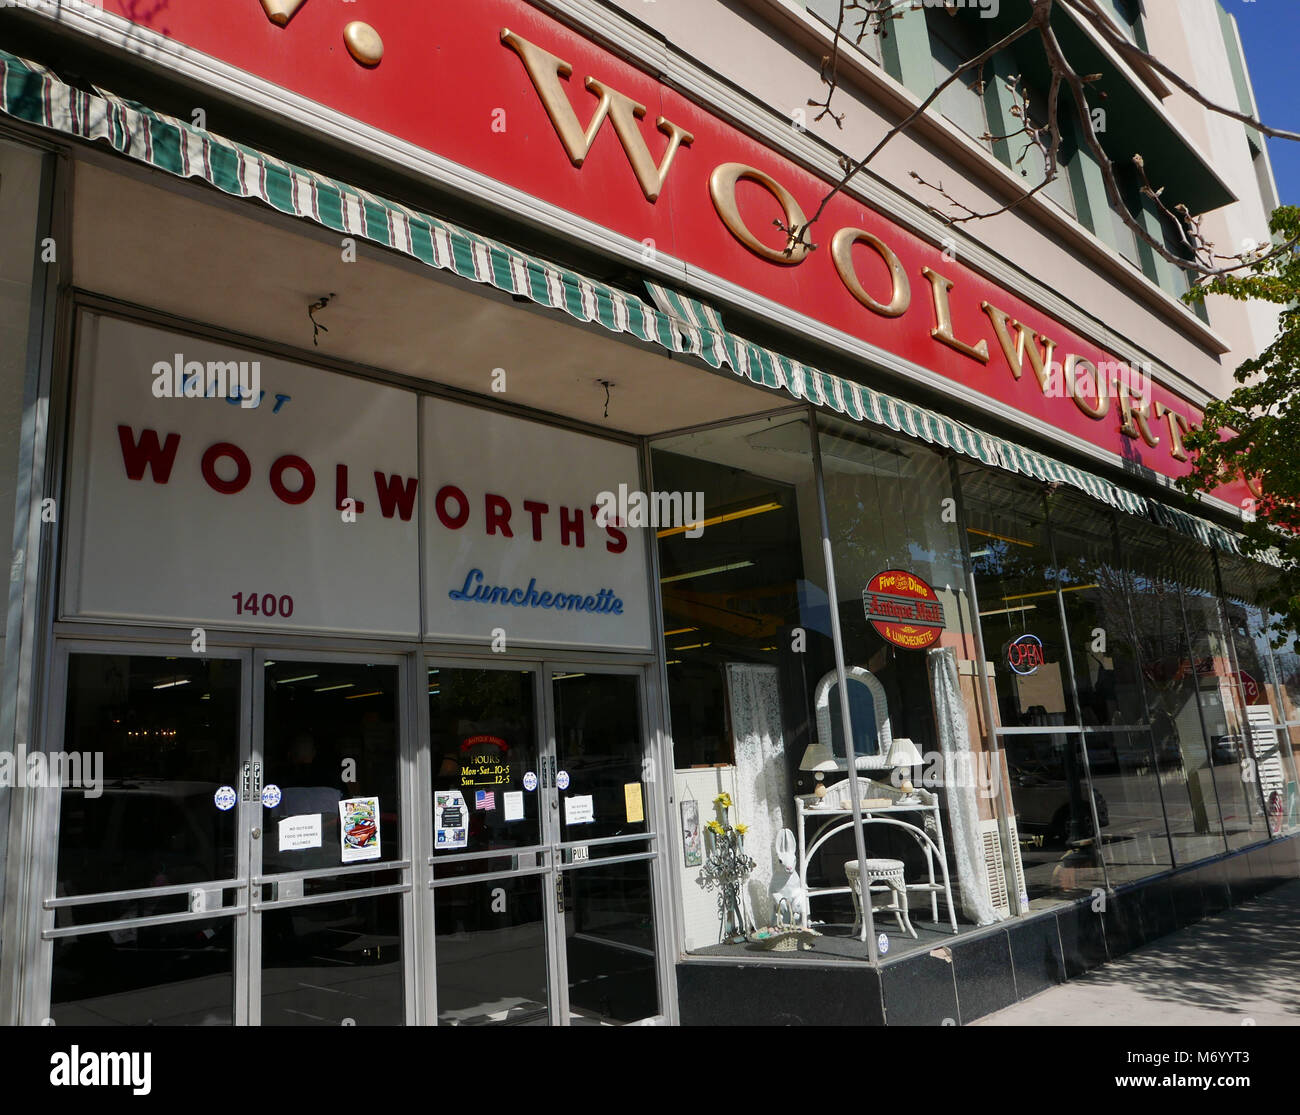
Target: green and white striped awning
column 32, row 93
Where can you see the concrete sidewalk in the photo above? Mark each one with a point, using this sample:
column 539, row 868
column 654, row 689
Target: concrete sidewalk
column 1240, row 967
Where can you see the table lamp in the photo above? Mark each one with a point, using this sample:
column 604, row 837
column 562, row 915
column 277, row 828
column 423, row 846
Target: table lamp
column 903, row 753
column 817, row 757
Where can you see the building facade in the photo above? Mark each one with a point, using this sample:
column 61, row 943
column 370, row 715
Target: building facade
column 470, row 568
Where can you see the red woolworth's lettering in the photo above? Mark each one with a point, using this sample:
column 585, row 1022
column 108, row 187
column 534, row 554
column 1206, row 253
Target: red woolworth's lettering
column 440, row 501
column 498, row 515
column 572, row 525
column 243, row 470
column 617, row 541
column 282, row 490
column 536, row 510
column 148, row 453
column 397, row 496
column 341, row 491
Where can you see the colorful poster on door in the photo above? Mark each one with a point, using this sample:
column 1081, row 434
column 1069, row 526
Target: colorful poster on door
column 450, row 821
column 359, row 829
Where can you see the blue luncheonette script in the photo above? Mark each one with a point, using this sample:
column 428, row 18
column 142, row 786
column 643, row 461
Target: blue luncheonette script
column 603, row 602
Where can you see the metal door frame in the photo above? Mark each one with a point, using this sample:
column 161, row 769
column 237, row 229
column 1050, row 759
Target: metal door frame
column 46, row 814
column 253, row 819
column 551, row 851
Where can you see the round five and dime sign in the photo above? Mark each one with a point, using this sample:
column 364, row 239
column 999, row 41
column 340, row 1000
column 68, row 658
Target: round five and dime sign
column 904, row 609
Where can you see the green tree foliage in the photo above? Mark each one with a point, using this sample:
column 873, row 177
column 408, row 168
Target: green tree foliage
column 1255, row 431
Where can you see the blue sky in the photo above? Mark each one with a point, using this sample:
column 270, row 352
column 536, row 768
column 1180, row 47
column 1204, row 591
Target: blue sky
column 1270, row 30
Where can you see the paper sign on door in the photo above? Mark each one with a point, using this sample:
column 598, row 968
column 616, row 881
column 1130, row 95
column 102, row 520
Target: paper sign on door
column 514, row 805
column 635, row 806
column 450, row 820
column 579, row 810
column 303, row 831
column 359, row 829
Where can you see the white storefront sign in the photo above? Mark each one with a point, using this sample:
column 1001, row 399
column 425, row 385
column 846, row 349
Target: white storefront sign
column 306, row 511
column 512, row 544
column 200, row 510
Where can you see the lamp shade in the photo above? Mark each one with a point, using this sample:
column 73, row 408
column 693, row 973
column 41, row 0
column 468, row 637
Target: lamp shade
column 904, row 753
column 818, row 757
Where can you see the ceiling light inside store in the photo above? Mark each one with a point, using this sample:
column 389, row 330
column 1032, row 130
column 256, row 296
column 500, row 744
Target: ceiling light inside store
column 726, row 517
column 999, row 538
column 679, row 631
column 1047, row 592
column 705, row 572
column 331, row 688
column 1007, row 611
column 694, row 646
column 304, row 677
column 358, row 696
column 173, row 684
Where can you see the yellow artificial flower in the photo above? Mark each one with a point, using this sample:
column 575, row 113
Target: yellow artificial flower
column 715, row 828
column 742, row 829
column 723, row 799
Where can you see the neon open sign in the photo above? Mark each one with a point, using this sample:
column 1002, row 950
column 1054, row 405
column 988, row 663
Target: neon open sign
column 1025, row 654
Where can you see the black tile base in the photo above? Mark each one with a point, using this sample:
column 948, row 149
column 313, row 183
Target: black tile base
column 1036, row 955
column 1018, row 959
column 984, row 976
column 920, row 991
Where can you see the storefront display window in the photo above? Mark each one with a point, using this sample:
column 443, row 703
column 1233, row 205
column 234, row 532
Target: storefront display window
column 906, row 627
column 1025, row 644
column 1213, row 656
column 748, row 640
column 1119, row 732
column 1170, row 677
column 1258, row 686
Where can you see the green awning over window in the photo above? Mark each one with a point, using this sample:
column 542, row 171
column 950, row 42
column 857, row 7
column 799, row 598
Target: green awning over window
column 675, row 321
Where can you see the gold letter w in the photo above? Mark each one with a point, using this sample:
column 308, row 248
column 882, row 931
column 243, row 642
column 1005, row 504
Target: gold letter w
column 546, row 70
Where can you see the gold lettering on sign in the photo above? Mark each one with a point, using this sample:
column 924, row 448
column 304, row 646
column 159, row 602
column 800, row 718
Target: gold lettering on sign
column 1074, row 364
column 1136, row 418
column 722, row 188
column 546, row 70
column 942, row 330
column 842, row 254
column 1040, row 362
column 1178, row 426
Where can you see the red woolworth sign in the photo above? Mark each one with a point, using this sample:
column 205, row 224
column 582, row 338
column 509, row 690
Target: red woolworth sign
column 502, row 88
column 904, row 609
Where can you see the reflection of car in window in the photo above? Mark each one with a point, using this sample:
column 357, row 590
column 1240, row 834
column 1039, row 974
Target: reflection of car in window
column 1042, row 802
column 143, row 833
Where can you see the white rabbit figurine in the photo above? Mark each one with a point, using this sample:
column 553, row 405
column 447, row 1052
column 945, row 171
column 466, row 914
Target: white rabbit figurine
column 792, row 894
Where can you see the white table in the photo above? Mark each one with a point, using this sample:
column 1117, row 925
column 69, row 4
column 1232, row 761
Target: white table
column 818, row 823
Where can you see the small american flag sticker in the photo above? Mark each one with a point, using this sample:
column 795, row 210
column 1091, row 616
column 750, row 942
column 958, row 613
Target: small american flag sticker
column 485, row 799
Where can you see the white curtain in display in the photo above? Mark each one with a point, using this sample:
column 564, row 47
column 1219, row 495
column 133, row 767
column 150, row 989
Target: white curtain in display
column 763, row 799
column 960, row 786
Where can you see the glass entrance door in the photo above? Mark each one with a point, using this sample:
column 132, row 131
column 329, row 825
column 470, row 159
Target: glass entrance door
column 230, row 841
column 541, row 848
column 145, row 898
column 599, row 778
column 327, row 846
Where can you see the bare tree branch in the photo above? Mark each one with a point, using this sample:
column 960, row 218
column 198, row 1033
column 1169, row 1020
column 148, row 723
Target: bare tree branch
column 1200, row 256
